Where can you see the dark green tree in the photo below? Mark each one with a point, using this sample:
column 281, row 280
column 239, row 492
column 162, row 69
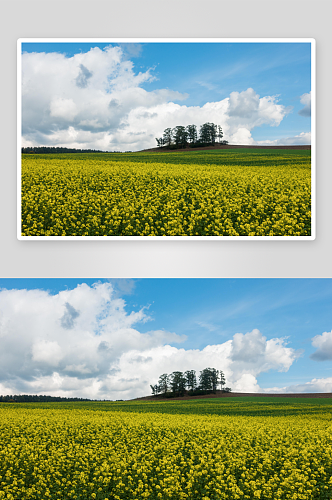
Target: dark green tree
column 154, row 389
column 177, row 383
column 208, row 133
column 163, row 383
column 214, row 379
column 222, row 380
column 180, row 136
column 209, row 379
column 192, row 133
column 205, row 380
column 213, row 133
column 167, row 137
column 220, row 133
column 204, row 133
column 191, row 381
column 160, row 142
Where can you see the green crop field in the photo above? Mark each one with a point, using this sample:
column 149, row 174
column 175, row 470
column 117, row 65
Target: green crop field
column 206, row 449
column 230, row 192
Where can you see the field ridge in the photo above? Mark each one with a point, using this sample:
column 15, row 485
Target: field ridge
column 220, row 394
column 224, row 146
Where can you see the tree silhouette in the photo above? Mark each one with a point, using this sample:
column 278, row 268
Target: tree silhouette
column 191, row 379
column 192, row 133
column 180, row 136
column 167, row 137
column 163, row 383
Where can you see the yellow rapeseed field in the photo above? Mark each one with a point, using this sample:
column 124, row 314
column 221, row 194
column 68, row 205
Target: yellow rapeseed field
column 60, row 451
column 174, row 194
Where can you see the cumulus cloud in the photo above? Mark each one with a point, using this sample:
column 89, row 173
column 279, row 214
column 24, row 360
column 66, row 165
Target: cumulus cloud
column 252, row 354
column 248, row 106
column 324, row 347
column 67, row 320
column 46, row 351
column 96, row 100
column 306, row 100
column 84, row 343
column 63, row 108
column 83, row 77
column 246, row 383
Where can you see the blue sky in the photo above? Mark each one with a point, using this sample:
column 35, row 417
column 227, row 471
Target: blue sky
column 139, row 318
column 189, row 75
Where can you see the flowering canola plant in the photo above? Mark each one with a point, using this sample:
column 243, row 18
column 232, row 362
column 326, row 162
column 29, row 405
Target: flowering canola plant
column 174, row 194
column 85, row 451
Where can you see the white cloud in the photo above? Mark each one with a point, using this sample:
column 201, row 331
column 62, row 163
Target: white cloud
column 323, row 343
column 83, row 342
column 315, row 385
column 63, row 108
column 306, row 100
column 248, row 105
column 304, row 138
column 243, row 104
column 252, row 354
column 256, row 354
column 246, row 383
column 96, row 100
column 242, row 136
column 46, row 351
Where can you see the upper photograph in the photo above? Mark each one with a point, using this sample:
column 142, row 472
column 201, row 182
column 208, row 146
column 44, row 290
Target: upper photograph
column 166, row 139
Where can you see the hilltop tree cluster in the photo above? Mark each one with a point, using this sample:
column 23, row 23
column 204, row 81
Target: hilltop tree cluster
column 180, row 384
column 180, row 136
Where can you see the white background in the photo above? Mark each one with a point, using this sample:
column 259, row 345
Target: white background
column 178, row 19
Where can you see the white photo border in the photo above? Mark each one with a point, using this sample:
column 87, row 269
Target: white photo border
column 312, row 41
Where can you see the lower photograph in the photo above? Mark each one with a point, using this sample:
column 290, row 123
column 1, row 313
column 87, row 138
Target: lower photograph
column 165, row 388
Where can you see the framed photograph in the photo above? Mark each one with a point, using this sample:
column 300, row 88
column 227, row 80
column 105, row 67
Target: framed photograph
column 165, row 389
column 167, row 139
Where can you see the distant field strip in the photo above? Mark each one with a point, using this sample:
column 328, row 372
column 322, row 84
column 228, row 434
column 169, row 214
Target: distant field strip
column 100, row 451
column 218, row 193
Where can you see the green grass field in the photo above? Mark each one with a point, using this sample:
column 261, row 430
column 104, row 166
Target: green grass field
column 204, row 449
column 230, row 192
column 244, row 406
